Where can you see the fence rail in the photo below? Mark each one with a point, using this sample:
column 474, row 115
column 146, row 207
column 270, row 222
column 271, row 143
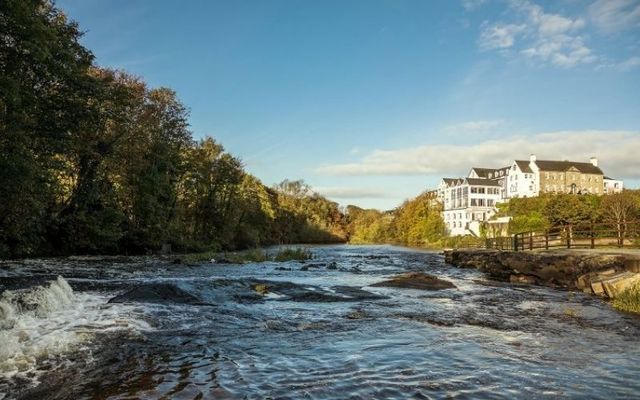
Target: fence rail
column 588, row 236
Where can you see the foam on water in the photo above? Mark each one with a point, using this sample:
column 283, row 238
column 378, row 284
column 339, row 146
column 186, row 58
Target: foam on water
column 44, row 322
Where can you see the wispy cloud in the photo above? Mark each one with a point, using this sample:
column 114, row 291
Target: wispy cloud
column 474, row 127
column 615, row 15
column 352, row 192
column 620, row 160
column 471, row 5
column 499, row 35
column 538, row 35
column 629, row 64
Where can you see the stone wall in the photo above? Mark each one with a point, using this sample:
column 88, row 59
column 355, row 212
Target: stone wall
column 541, row 268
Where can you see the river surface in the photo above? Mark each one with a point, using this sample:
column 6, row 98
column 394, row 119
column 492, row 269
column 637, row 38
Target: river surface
column 314, row 330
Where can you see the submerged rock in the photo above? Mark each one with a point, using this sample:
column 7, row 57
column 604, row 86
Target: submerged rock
column 417, row 280
column 524, row 279
column 156, row 293
column 261, row 288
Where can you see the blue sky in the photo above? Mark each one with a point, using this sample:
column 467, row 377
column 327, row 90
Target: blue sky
column 371, row 102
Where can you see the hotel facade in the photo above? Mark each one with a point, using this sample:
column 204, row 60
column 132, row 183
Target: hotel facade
column 471, row 201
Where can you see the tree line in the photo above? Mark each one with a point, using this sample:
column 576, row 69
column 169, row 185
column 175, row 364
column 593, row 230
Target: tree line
column 547, row 211
column 417, row 222
column 93, row 160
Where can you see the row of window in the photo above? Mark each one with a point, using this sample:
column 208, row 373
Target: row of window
column 526, row 176
column 478, row 216
column 559, row 176
column 482, row 202
column 496, row 174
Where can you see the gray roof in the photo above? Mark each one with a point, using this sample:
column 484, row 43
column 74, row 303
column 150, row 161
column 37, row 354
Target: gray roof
column 484, row 172
column 524, row 166
column 562, row 166
column 482, row 182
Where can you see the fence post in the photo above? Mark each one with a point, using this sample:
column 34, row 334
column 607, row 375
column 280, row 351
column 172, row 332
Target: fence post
column 530, row 240
column 514, row 242
column 546, row 240
column 593, row 237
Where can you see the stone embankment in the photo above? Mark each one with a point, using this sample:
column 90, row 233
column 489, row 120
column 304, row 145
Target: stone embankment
column 602, row 274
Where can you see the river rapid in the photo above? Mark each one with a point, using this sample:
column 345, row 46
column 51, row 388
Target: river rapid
column 128, row 328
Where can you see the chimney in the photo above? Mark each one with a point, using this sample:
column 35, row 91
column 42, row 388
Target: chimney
column 532, row 158
column 594, row 161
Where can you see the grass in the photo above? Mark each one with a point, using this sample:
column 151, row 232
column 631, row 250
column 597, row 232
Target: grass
column 629, row 299
column 248, row 256
column 297, row 254
column 193, row 258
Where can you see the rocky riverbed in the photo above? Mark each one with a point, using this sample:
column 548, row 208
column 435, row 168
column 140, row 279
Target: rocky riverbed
column 353, row 322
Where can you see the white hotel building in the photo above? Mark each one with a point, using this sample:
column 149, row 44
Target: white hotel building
column 471, row 201
column 468, row 202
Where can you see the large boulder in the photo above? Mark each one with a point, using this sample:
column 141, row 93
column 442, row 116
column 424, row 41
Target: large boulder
column 557, row 269
column 416, row 280
column 616, row 284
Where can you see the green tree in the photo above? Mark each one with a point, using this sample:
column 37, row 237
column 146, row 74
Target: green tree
column 42, row 65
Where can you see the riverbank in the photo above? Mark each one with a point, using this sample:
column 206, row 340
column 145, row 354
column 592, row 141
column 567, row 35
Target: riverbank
column 604, row 273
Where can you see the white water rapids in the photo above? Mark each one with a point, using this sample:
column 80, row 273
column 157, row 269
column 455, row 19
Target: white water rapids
column 45, row 322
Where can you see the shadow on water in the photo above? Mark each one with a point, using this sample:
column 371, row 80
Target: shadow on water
column 141, row 328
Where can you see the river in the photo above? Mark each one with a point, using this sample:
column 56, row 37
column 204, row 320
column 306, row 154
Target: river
column 124, row 328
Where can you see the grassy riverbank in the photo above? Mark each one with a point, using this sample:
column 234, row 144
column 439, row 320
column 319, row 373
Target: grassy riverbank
column 629, row 300
column 249, row 256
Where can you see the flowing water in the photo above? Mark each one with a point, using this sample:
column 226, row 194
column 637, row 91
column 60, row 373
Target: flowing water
column 128, row 328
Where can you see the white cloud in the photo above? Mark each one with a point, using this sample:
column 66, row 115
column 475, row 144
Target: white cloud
column 615, row 15
column 545, row 37
column 499, row 36
column 351, row 193
column 631, row 63
column 474, row 127
column 545, row 23
column 560, row 50
column 619, row 160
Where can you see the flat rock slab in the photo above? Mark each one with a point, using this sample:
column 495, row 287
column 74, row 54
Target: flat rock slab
column 417, row 280
column 156, row 293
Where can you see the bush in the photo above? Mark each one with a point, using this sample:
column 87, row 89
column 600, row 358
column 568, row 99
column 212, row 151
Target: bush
column 629, row 299
column 297, row 254
column 248, row 256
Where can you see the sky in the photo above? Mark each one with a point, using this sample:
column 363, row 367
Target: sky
column 371, row 102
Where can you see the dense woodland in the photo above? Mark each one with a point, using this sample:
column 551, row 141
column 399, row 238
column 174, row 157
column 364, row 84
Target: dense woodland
column 94, row 160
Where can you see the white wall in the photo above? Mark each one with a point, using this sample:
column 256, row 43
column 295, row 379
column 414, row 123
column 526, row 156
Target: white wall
column 523, row 184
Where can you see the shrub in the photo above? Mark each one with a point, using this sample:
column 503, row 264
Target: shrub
column 629, row 299
column 297, row 254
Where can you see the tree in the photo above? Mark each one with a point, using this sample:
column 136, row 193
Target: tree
column 42, row 65
column 620, row 208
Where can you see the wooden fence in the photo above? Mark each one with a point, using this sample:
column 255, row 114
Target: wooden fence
column 585, row 236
